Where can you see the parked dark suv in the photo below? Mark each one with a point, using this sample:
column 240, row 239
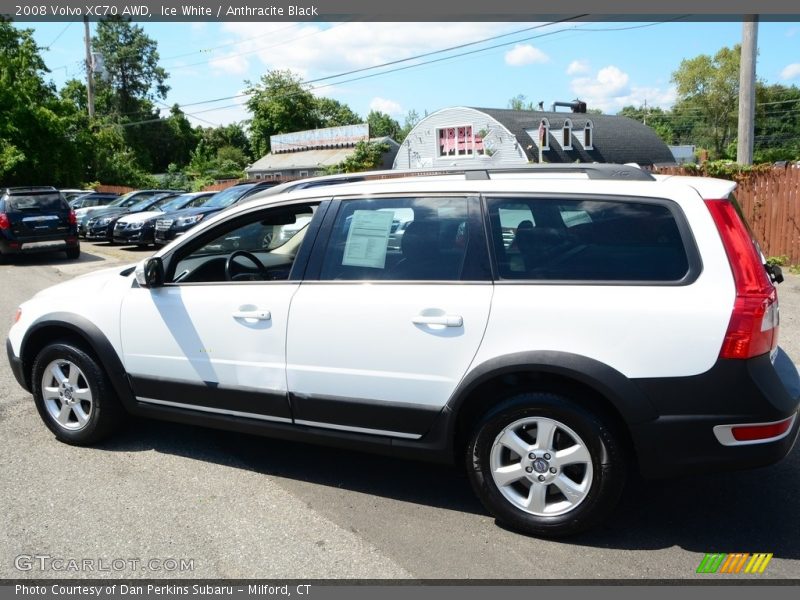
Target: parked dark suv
column 36, row 219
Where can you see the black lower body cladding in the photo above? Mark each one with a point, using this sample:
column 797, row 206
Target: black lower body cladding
column 681, row 440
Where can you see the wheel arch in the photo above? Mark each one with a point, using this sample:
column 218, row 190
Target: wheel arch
column 82, row 332
column 592, row 384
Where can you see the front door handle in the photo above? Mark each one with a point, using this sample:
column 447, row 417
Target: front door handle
column 446, row 320
column 260, row 315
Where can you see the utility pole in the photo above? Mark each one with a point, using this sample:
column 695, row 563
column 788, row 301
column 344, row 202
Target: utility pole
column 747, row 91
column 644, row 115
column 89, row 68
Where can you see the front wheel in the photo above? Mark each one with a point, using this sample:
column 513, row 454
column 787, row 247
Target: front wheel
column 544, row 465
column 73, row 395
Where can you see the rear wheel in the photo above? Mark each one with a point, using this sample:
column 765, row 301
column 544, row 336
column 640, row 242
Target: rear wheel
column 544, row 465
column 74, row 252
column 73, row 395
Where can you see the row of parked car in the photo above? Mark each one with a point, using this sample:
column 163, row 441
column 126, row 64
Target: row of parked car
column 146, row 217
column 45, row 219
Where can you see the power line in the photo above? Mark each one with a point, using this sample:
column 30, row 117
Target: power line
column 255, row 37
column 50, row 45
column 416, row 57
column 403, row 68
column 209, row 61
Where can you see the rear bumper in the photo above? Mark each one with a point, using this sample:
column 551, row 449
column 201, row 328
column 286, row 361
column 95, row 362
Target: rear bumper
column 682, row 439
column 42, row 244
column 16, row 366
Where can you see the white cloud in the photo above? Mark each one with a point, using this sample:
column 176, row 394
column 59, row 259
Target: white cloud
column 525, row 54
column 313, row 50
column 791, row 71
column 230, row 65
column 390, row 107
column 611, row 89
column 578, row 67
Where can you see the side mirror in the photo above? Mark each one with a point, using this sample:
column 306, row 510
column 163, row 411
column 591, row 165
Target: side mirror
column 150, row 272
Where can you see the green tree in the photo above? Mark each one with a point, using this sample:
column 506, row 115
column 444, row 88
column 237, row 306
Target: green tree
column 708, row 87
column 332, row 113
column 366, row 156
column 411, row 119
column 279, row 103
column 520, row 102
column 381, row 124
column 232, row 134
column 38, row 132
column 131, row 58
column 777, row 124
column 655, row 117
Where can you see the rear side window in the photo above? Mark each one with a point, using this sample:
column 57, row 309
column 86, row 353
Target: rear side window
column 37, row 202
column 586, row 240
column 398, row 239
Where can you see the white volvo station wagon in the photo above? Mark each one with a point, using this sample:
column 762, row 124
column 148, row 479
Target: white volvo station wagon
column 549, row 328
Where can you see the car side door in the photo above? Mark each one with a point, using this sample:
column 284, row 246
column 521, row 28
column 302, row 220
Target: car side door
column 385, row 326
column 212, row 339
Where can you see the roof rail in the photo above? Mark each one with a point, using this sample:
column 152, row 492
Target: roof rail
column 592, row 171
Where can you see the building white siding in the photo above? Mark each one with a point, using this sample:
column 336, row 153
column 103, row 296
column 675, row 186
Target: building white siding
column 420, row 149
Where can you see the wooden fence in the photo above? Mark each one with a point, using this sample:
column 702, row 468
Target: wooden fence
column 770, row 201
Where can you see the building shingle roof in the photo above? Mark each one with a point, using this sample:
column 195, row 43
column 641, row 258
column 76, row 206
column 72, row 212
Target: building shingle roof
column 615, row 139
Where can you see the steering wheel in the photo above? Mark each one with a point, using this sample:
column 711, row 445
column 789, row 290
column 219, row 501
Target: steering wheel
column 229, row 271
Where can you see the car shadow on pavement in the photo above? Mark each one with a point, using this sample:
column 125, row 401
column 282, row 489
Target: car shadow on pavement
column 410, row 481
column 51, row 258
column 746, row 511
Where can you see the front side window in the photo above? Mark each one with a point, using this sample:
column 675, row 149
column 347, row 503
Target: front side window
column 460, row 141
column 586, row 240
column 398, row 239
column 259, row 247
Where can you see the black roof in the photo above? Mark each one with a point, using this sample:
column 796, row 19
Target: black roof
column 615, row 139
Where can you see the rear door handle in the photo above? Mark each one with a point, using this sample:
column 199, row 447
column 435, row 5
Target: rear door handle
column 446, row 320
column 260, row 315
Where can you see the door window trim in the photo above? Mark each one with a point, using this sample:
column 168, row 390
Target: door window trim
column 477, row 241
column 695, row 263
column 172, row 258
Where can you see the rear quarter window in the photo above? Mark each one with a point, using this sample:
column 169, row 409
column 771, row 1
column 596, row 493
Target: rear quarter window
column 591, row 240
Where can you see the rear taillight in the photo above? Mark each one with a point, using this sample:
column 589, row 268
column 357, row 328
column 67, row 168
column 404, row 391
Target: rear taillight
column 73, row 218
column 753, row 328
column 4, row 222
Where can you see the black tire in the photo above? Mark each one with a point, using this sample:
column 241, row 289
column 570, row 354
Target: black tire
column 105, row 412
column 73, row 253
column 606, row 477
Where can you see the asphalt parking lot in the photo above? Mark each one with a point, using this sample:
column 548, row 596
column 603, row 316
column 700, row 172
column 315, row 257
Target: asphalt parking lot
column 245, row 507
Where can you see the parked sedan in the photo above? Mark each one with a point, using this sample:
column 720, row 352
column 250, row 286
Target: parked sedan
column 139, row 228
column 101, row 229
column 93, row 199
column 125, row 201
column 175, row 225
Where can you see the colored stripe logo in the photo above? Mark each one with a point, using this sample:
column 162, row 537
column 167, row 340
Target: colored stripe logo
column 738, row 562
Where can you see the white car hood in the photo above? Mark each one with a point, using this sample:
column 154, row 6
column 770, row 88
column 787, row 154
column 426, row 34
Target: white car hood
column 140, row 216
column 85, row 286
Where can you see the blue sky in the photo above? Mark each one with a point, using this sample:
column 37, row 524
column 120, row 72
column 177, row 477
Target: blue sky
column 604, row 64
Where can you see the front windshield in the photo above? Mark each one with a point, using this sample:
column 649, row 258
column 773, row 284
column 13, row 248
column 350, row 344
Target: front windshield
column 124, row 200
column 142, row 205
column 171, row 204
column 227, row 197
